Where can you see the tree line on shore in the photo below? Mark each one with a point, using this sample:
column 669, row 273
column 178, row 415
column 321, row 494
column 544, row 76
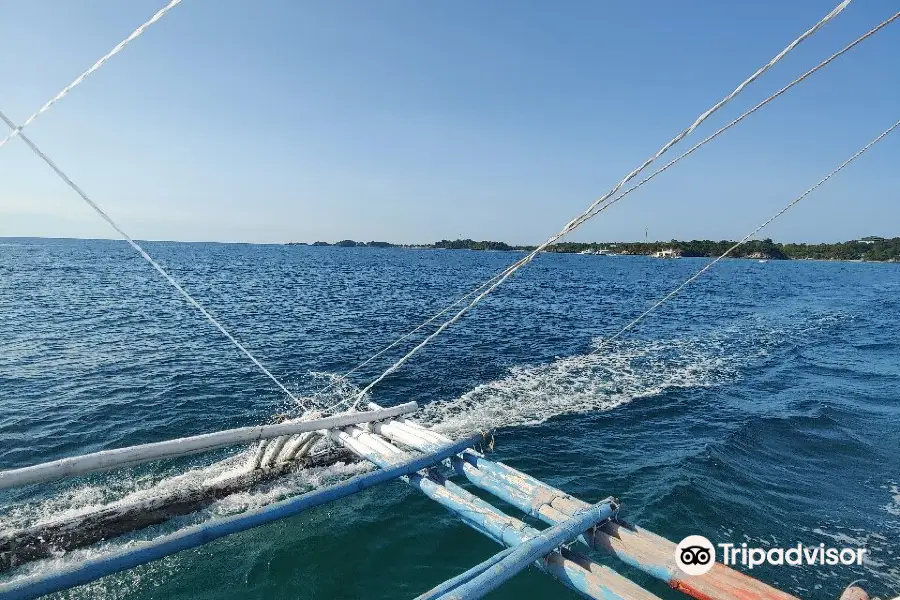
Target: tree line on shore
column 443, row 244
column 869, row 249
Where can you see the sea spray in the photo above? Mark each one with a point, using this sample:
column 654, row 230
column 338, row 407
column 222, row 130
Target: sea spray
column 623, row 372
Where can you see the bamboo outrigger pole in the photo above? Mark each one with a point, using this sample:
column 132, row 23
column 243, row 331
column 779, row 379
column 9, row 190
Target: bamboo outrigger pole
column 191, row 537
column 132, row 455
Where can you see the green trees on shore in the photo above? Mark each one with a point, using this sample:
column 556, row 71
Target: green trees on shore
column 873, row 248
column 694, row 248
column 473, row 245
column 877, row 249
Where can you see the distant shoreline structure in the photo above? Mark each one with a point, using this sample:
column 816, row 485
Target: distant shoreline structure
column 871, row 248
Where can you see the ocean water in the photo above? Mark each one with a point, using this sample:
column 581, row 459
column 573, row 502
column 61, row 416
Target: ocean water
column 760, row 406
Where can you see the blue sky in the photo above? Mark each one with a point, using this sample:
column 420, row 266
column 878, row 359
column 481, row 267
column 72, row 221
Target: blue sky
column 409, row 121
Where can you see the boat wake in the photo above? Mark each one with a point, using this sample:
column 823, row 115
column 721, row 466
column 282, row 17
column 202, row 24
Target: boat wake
column 619, row 373
column 894, row 507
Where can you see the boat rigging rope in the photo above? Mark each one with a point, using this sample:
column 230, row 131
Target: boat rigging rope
column 400, row 339
column 148, row 258
column 491, row 284
column 116, row 49
column 746, row 114
column 743, row 240
column 603, row 207
column 574, row 223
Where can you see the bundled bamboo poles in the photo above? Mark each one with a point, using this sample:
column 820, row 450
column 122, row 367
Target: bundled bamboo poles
column 576, row 571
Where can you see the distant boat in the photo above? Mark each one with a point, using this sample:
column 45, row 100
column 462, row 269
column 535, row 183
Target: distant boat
column 763, row 261
column 600, row 252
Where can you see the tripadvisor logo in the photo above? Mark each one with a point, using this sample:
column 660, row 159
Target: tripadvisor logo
column 696, row 555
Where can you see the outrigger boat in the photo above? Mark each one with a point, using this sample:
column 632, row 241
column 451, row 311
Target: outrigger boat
column 398, row 448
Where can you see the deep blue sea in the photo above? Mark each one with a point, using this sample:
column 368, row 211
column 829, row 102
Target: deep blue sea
column 761, row 406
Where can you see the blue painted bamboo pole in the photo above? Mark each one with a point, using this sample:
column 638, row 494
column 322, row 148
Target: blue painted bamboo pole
column 635, row 546
column 551, row 505
column 452, row 584
column 531, row 495
column 578, row 573
column 522, row 480
column 472, row 510
column 583, row 576
column 526, row 553
column 510, row 491
column 192, row 537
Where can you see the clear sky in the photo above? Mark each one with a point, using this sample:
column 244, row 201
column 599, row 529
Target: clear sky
column 412, row 121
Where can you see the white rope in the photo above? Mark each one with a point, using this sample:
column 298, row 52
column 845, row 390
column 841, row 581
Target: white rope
column 603, row 207
column 743, row 240
column 400, row 339
column 148, row 258
column 574, row 223
column 118, row 48
column 746, row 114
column 17, row 130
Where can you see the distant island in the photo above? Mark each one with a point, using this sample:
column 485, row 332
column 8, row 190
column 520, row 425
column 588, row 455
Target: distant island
column 443, row 244
column 870, row 248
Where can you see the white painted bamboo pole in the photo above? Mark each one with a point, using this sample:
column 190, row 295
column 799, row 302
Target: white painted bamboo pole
column 418, row 434
column 275, row 450
column 390, row 430
column 299, row 446
column 256, row 462
column 119, row 457
column 424, row 431
column 398, row 436
column 373, row 440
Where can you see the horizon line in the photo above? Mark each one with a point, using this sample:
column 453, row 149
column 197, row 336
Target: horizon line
column 400, row 245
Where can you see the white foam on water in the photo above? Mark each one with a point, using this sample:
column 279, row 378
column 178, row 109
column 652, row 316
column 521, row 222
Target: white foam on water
column 289, row 485
column 126, row 488
column 329, row 390
column 879, row 562
column 122, row 489
column 620, row 373
column 119, row 587
column 283, row 487
column 625, row 370
column 894, row 506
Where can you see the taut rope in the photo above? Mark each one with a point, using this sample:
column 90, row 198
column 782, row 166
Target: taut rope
column 587, row 214
column 116, row 49
column 743, row 240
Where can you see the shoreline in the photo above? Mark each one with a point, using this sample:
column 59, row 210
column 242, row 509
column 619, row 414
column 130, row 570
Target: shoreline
column 881, row 251
column 871, row 249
